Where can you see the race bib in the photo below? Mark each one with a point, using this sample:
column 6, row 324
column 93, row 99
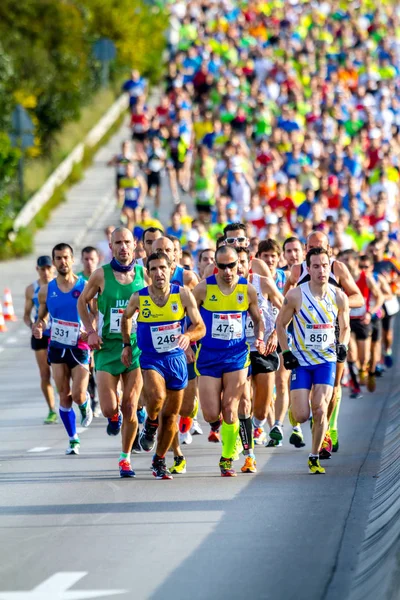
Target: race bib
column 164, row 337
column 64, row 332
column 155, row 165
column 227, row 326
column 249, row 327
column 319, row 336
column 116, row 318
column 392, row 306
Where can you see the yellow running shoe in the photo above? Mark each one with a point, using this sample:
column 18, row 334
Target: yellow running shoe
column 362, row 374
column 250, row 465
column 314, row 466
column 179, row 466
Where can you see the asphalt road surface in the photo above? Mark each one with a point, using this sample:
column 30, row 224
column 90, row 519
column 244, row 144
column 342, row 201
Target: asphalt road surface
column 70, row 524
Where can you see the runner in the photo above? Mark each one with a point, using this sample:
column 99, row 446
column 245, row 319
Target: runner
column 361, row 325
column 314, row 307
column 68, row 353
column 162, row 340
column 263, row 365
column 339, row 277
column 205, row 258
column 133, row 189
column 44, row 268
column 114, row 284
column 120, row 162
column 223, row 356
column 150, row 235
column 90, row 260
column 156, row 158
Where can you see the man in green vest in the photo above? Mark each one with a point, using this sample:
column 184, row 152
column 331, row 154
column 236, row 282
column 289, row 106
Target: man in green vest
column 114, row 284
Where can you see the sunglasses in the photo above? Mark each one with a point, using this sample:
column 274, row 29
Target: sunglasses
column 227, row 266
column 232, row 240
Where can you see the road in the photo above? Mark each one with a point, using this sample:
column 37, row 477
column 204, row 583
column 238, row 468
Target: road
column 69, row 524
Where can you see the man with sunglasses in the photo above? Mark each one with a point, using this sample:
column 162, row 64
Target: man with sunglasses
column 223, row 356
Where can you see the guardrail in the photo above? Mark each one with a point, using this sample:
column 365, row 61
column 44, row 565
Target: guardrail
column 62, row 172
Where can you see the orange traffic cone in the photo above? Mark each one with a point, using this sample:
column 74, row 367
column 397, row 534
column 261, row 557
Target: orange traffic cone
column 9, row 314
column 2, row 324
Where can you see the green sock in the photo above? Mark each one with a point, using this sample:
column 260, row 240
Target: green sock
column 333, row 423
column 229, row 435
column 124, row 456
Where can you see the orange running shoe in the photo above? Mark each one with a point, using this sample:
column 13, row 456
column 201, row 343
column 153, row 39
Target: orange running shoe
column 214, row 436
column 250, row 465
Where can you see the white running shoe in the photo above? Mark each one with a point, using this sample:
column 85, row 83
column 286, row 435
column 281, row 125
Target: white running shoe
column 87, row 415
column 73, row 448
column 196, row 429
column 185, row 438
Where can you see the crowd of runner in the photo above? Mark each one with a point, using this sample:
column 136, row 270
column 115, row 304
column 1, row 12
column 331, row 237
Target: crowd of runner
column 280, row 123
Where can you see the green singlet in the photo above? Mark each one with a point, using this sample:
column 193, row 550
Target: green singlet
column 111, row 305
column 82, row 274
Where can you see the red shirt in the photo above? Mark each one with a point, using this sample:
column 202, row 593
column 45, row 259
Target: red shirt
column 285, row 204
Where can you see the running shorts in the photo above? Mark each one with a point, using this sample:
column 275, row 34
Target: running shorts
column 303, row 378
column 360, row 329
column 387, row 322
column 72, row 357
column 172, row 368
column 132, row 204
column 263, row 364
column 214, row 363
column 153, row 179
column 108, row 358
column 41, row 344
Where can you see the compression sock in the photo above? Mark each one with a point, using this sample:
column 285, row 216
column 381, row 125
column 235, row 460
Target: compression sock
column 215, row 426
column 195, row 410
column 83, row 408
column 333, row 423
column 353, row 374
column 259, row 423
column 185, row 424
column 246, row 434
column 125, row 456
column 67, row 416
column 229, row 434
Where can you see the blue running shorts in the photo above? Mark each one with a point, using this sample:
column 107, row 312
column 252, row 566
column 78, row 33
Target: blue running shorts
column 214, row 363
column 172, row 368
column 303, row 378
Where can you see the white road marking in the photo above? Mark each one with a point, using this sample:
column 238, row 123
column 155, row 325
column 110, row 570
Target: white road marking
column 55, row 588
column 11, row 340
column 39, row 449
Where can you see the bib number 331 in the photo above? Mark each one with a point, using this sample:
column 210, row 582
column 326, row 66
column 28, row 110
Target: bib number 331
column 164, row 337
column 227, row 326
column 64, row 332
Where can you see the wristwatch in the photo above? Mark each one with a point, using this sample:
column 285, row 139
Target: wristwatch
column 126, row 344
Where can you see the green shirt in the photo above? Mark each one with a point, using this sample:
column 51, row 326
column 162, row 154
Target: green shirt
column 82, row 274
column 113, row 300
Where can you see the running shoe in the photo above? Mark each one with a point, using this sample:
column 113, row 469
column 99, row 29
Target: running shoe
column 141, row 415
column 362, row 374
column 147, row 437
column 86, row 412
column 380, row 370
column 185, row 438
column 179, row 466
column 314, row 466
column 125, row 469
column 185, row 424
column 371, row 382
column 115, row 424
column 136, row 449
column 225, row 465
column 296, row 439
column 388, row 359
column 356, row 393
column 259, row 436
column 214, row 436
column 325, row 452
column 250, row 465
column 196, row 429
column 335, row 440
column 74, row 446
column 160, row 470
column 273, row 443
column 51, row 418
column 276, row 433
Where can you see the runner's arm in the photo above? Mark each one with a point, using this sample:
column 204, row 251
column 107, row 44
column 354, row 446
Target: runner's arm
column 344, row 318
column 269, row 288
column 285, row 316
column 91, row 289
column 375, row 290
column 209, row 270
column 126, row 322
column 254, row 311
column 259, row 267
column 292, row 280
column 348, row 284
column 385, row 288
column 197, row 329
column 28, row 306
column 199, row 292
column 37, row 329
column 190, row 279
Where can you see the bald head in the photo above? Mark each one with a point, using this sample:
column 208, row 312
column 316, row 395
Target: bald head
column 122, row 245
column 165, row 245
column 317, row 239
